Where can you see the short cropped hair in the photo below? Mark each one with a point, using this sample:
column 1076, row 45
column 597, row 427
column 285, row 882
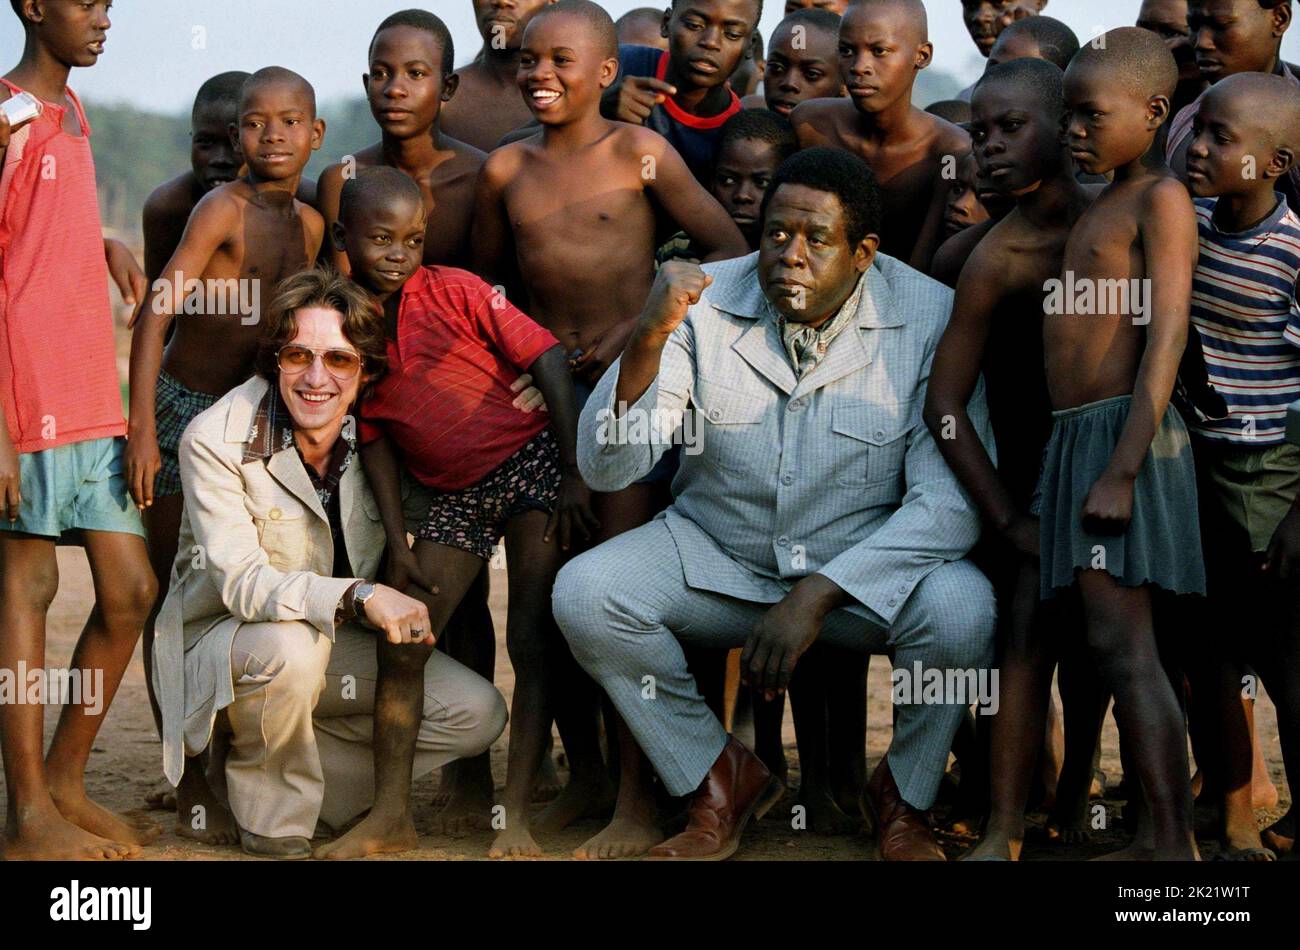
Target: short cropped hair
column 1056, row 42
column 275, row 74
column 1134, row 58
column 676, row 3
column 222, row 89
column 760, row 125
column 594, row 15
column 956, row 111
column 374, row 186
column 426, row 21
column 323, row 286
column 814, row 18
column 1035, row 79
column 841, row 174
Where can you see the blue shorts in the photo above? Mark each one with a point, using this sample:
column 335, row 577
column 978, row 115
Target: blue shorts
column 73, row 488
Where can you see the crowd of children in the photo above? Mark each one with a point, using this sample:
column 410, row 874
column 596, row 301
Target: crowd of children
column 1116, row 213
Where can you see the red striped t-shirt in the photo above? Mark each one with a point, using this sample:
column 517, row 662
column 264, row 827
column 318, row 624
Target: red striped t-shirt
column 446, row 400
column 58, row 366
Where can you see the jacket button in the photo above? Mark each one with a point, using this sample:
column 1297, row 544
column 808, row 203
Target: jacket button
column 715, row 414
column 787, row 479
column 893, row 603
column 880, row 433
column 275, row 514
column 783, row 541
column 795, row 406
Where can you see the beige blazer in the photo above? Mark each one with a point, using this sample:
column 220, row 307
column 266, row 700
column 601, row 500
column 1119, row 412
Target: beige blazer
column 254, row 546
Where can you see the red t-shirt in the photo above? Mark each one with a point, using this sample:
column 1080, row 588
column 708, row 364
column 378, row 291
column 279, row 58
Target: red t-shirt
column 446, row 401
column 58, row 364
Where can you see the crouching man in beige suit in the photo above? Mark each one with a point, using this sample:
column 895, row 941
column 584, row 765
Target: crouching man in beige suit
column 271, row 638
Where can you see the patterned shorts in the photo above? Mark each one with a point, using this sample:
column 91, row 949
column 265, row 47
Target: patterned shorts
column 175, row 408
column 474, row 518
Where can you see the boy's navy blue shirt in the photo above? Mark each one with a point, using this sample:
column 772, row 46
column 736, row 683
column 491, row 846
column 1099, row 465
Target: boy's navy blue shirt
column 696, row 138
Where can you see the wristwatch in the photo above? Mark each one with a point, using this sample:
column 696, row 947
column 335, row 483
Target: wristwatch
column 363, row 592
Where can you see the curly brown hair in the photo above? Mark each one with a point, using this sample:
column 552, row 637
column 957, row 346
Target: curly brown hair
column 321, row 286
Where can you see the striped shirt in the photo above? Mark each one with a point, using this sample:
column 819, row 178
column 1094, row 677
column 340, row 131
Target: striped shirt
column 1244, row 305
column 446, row 400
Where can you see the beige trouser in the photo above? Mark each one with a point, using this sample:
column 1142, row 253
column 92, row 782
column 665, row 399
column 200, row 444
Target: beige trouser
column 301, row 724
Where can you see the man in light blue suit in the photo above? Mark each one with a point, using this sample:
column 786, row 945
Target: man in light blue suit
column 812, row 502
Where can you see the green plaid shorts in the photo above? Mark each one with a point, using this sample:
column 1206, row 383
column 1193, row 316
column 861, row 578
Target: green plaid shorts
column 174, row 408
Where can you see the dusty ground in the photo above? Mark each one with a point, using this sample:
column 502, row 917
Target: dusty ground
column 126, row 762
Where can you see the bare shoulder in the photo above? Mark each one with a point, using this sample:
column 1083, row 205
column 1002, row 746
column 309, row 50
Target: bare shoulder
column 1168, row 198
column 813, row 118
column 311, row 218
column 505, row 162
column 636, row 140
column 224, row 202
column 466, row 156
column 945, row 137
column 171, row 198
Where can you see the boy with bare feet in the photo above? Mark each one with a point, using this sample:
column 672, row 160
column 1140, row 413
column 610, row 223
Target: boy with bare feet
column 1118, row 490
column 445, row 412
column 409, row 79
column 572, row 211
column 1245, row 139
column 883, row 45
column 243, row 237
column 682, row 92
column 802, row 62
column 996, row 330
column 488, row 105
column 61, row 445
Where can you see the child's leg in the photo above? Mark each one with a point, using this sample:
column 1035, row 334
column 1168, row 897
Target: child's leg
column 810, row 704
column 125, row 589
column 534, row 643
column 34, row 828
column 470, row 639
column 1083, row 710
column 846, row 725
column 162, row 525
column 399, row 709
column 635, row 827
column 1284, row 687
column 1121, row 636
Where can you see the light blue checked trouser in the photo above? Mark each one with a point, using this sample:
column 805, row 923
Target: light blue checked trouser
column 625, row 605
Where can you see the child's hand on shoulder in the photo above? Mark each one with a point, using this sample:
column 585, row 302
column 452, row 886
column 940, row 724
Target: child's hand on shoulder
column 1109, row 505
column 572, row 511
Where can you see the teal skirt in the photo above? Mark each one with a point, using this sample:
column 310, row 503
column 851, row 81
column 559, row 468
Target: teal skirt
column 1162, row 544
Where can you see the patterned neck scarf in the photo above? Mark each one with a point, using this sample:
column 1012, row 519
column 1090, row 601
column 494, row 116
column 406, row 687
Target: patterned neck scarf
column 806, row 345
column 272, row 432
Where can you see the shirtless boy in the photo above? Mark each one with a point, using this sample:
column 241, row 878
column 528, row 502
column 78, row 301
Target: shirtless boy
column 247, row 234
column 569, row 213
column 802, row 62
column 883, row 45
column 488, row 105
column 996, row 330
column 408, row 84
column 1118, row 509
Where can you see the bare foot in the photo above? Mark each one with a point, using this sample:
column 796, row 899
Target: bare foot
column 374, row 834
column 465, row 812
column 624, row 837
column 995, row 846
column 591, row 797
column 1263, row 793
column 1097, row 787
column 514, row 842
column 1068, row 824
column 162, row 797
column 821, row 815
column 1280, row 836
column 202, row 816
column 548, row 786
column 86, row 814
column 48, row 836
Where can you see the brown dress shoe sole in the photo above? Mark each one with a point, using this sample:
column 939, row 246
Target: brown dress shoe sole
column 762, row 805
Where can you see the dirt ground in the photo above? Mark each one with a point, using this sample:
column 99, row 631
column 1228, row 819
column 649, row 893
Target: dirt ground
column 126, row 763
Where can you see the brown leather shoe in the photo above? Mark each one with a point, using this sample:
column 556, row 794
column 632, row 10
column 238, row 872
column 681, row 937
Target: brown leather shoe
column 738, row 787
column 902, row 832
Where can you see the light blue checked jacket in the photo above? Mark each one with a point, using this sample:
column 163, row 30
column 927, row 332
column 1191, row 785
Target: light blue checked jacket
column 834, row 473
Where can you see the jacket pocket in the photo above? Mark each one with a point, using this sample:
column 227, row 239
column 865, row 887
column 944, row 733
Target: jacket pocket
column 871, row 444
column 282, row 532
column 731, row 426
